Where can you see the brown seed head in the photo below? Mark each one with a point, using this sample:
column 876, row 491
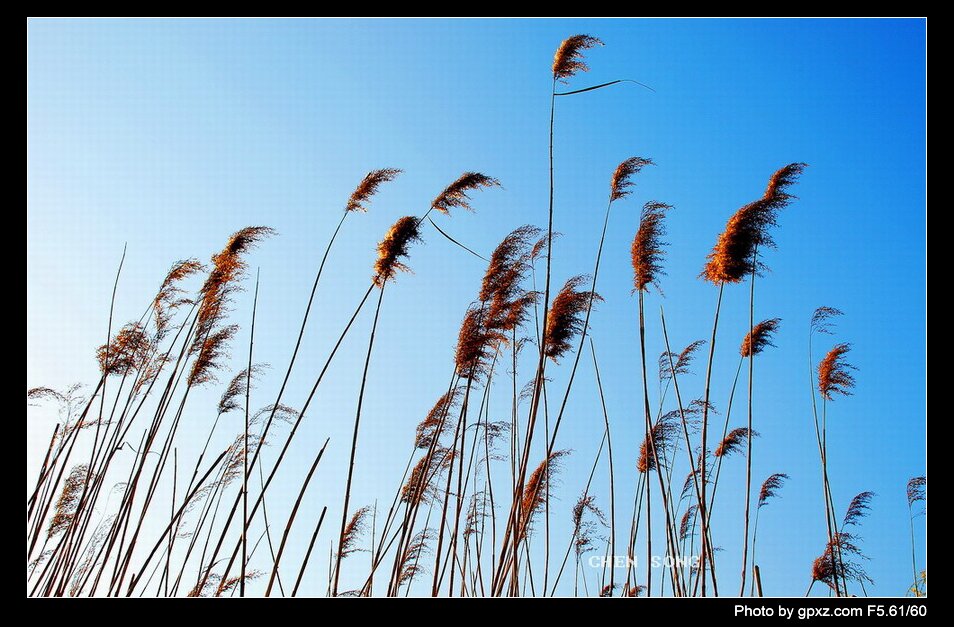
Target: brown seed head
column 393, row 248
column 733, row 257
column 455, row 194
column 368, row 187
column 771, row 486
column 759, row 337
column 565, row 318
column 917, row 489
column 647, row 250
column 568, row 59
column 834, row 373
column 128, row 351
column 621, row 183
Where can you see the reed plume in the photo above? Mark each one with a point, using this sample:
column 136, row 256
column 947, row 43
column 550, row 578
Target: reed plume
column 734, row 441
column 228, row 268
column 688, row 518
column 537, row 487
column 455, row 194
column 568, row 59
column 823, row 319
column 368, row 187
column 419, row 487
column 66, row 504
column 234, row 392
column 834, row 373
column 760, row 337
column 633, row 590
column 833, row 570
column 564, row 320
column 916, row 493
column 649, row 451
column 410, row 563
column 916, row 490
column 474, row 344
column 353, row 531
column 621, row 183
column 647, row 250
column 128, row 351
column 212, row 351
column 680, row 362
column 169, row 297
column 501, row 292
column 771, row 486
column 734, row 255
column 859, row 508
column 393, row 248
column 435, row 423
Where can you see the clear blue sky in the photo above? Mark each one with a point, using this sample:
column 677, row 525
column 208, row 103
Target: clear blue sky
column 170, row 135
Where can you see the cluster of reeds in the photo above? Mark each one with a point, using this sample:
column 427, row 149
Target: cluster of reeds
column 471, row 513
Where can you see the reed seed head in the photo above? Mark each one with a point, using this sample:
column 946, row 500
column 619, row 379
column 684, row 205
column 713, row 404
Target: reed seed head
column 759, row 337
column 393, row 248
column 834, row 373
column 647, row 249
column 368, row 187
column 455, row 194
column 568, row 59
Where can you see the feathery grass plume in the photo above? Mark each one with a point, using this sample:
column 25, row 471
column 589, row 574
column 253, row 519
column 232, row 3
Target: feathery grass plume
column 685, row 526
column 420, row 486
column 647, row 249
column 565, row 318
column 235, row 390
column 235, row 457
column 836, row 571
column 427, row 429
column 734, row 441
column 282, row 413
column 607, row 590
column 621, row 183
column 169, row 297
column 834, row 376
column 662, row 433
column 474, row 344
column 352, row 532
column 538, row 486
column 43, row 393
column 568, row 59
column 541, row 245
column 771, row 486
column 65, row 508
column 823, row 319
column 455, row 194
column 858, row 509
column 368, row 187
column 228, row 267
column 733, row 257
column 760, row 337
column 688, row 483
column 633, row 590
column 511, row 253
column 230, row 583
column 393, row 248
column 586, row 503
column 411, row 565
column 916, row 490
column 681, row 362
column 211, row 353
column 501, row 291
column 128, row 351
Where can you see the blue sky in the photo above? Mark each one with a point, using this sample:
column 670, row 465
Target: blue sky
column 170, row 135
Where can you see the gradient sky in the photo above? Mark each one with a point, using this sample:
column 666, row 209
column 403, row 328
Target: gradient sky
column 170, row 135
